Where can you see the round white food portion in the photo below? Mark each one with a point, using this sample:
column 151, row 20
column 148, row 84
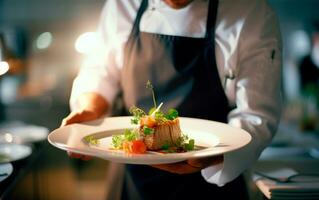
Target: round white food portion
column 167, row 133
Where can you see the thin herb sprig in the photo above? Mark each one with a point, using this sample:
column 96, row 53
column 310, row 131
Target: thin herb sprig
column 150, row 86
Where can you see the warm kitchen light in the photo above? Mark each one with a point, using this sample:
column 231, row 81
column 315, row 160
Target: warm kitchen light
column 88, row 42
column 299, row 43
column 4, row 67
column 44, row 40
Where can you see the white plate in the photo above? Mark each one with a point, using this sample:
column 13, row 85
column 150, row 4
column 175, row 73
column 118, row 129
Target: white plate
column 10, row 152
column 5, row 170
column 218, row 138
column 19, row 132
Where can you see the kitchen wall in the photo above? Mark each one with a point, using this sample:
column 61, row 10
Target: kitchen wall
column 40, row 38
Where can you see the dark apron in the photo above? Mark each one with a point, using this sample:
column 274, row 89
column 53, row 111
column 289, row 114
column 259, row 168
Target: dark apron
column 184, row 74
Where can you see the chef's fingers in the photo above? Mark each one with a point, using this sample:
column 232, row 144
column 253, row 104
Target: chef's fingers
column 86, row 157
column 79, row 156
column 75, row 117
column 205, row 162
column 74, row 155
column 68, row 119
column 191, row 165
column 79, row 116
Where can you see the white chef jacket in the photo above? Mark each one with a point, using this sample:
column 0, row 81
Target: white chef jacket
column 248, row 55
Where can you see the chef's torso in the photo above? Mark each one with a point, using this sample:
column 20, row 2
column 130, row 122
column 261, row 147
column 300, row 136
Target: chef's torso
column 183, row 71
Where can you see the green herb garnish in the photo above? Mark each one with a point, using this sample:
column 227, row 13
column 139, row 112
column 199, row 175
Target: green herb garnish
column 147, row 130
column 154, row 111
column 172, row 114
column 160, row 116
column 129, row 135
column 137, row 114
column 151, row 110
column 150, row 86
column 165, row 147
column 117, row 141
column 90, row 139
column 190, row 145
column 134, row 121
column 185, row 143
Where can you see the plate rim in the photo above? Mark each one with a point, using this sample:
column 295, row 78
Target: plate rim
column 137, row 159
column 9, row 166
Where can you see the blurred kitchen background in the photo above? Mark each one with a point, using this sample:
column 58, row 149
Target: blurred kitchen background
column 42, row 45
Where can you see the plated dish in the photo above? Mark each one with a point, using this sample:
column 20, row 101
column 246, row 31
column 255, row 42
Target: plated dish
column 21, row 133
column 5, row 170
column 10, row 152
column 215, row 138
column 149, row 137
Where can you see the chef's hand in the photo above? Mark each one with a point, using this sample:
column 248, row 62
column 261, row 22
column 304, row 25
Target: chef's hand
column 78, row 117
column 191, row 165
column 91, row 107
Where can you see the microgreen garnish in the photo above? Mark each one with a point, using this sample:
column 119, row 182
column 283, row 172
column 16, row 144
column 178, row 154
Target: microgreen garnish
column 137, row 114
column 134, row 121
column 150, row 86
column 151, row 111
column 185, row 143
column 129, row 135
column 190, row 145
column 117, row 141
column 90, row 139
column 154, row 112
column 165, row 147
column 160, row 116
column 172, row 114
column 147, row 130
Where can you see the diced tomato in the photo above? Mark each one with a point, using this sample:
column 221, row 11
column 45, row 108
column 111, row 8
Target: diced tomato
column 150, row 122
column 136, row 146
column 127, row 147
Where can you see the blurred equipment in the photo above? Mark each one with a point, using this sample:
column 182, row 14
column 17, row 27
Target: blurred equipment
column 4, row 67
column 309, row 74
column 22, row 133
column 286, row 183
column 5, row 170
column 13, row 53
column 10, row 152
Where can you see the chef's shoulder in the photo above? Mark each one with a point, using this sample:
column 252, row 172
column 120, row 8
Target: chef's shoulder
column 118, row 16
column 243, row 8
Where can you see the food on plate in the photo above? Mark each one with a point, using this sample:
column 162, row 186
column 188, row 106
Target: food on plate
column 166, row 133
column 155, row 131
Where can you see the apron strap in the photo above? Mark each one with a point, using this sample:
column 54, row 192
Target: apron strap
column 136, row 25
column 211, row 19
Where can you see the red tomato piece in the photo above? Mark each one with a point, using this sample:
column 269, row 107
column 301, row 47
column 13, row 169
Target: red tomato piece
column 136, row 146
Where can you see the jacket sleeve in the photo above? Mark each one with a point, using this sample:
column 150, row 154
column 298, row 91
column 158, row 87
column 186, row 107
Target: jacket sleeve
column 257, row 92
column 101, row 69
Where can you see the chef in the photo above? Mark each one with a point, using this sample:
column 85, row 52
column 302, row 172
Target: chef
column 210, row 59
